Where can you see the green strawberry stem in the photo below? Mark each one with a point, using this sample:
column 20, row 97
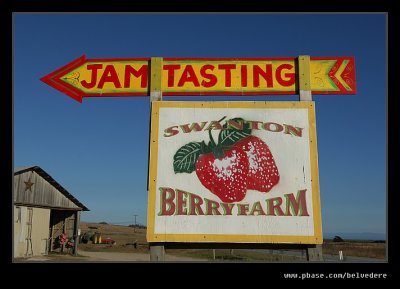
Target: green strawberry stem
column 222, row 119
column 216, row 148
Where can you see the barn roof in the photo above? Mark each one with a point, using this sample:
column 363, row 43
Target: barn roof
column 54, row 183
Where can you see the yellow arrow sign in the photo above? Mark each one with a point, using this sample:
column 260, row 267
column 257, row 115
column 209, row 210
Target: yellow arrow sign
column 201, row 76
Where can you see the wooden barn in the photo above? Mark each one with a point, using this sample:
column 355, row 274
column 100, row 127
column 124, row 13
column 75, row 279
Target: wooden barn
column 46, row 216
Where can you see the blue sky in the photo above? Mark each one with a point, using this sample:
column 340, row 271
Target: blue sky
column 98, row 149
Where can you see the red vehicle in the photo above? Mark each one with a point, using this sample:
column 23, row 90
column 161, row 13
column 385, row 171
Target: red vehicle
column 108, row 241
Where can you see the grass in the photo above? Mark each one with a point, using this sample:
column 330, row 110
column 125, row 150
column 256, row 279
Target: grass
column 126, row 236
column 232, row 255
column 367, row 249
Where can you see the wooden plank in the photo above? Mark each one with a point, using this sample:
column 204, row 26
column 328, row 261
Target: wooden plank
column 157, row 251
column 304, row 78
column 245, row 76
column 156, row 78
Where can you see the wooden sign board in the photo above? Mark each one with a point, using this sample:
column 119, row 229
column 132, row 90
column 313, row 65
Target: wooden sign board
column 235, row 172
column 111, row 77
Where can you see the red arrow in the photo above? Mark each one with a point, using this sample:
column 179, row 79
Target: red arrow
column 342, row 75
column 349, row 74
column 54, row 79
column 62, row 78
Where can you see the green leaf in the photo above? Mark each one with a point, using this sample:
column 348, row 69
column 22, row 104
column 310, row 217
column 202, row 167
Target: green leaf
column 185, row 158
column 233, row 131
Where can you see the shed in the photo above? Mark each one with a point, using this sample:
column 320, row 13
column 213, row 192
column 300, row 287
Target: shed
column 46, row 215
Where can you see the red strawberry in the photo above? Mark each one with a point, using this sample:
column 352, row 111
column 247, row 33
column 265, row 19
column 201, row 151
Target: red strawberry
column 225, row 176
column 263, row 173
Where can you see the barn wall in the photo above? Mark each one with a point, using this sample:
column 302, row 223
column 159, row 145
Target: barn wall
column 42, row 193
column 37, row 227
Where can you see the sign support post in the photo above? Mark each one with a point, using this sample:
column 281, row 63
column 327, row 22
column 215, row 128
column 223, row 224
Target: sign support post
column 156, row 78
column 304, row 78
column 314, row 252
column 157, row 251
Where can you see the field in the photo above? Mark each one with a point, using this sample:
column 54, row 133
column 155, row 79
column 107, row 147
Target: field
column 368, row 249
column 125, row 238
column 133, row 240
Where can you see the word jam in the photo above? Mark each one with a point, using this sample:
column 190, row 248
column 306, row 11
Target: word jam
column 103, row 74
column 178, row 202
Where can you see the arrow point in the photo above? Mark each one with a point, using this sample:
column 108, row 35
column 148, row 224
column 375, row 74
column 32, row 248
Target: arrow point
column 45, row 79
column 78, row 98
column 53, row 79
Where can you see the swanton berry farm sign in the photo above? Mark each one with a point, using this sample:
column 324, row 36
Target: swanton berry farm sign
column 244, row 172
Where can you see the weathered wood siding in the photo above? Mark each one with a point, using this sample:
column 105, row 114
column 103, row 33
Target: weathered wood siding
column 31, row 231
column 42, row 193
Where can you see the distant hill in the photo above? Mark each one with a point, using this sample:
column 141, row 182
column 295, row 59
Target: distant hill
column 356, row 236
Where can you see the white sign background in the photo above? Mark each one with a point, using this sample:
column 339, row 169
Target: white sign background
column 292, row 158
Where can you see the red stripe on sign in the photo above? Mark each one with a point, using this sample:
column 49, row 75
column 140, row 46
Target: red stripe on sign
column 233, row 93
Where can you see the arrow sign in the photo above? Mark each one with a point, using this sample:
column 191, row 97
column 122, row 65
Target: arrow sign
column 100, row 77
column 201, row 76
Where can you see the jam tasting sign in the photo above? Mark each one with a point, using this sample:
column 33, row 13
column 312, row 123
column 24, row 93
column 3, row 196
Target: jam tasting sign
column 111, row 77
column 243, row 172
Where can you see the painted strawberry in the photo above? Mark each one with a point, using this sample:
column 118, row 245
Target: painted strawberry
column 226, row 175
column 238, row 162
column 263, row 174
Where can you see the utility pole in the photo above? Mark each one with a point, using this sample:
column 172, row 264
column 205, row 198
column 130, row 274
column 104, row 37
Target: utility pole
column 134, row 226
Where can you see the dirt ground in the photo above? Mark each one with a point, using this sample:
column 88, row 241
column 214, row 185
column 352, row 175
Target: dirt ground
column 104, row 257
column 130, row 245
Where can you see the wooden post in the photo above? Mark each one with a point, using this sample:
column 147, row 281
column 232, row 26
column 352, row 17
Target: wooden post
column 50, row 245
column 157, row 250
column 63, row 231
column 156, row 78
column 76, row 240
column 304, row 78
column 314, row 252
